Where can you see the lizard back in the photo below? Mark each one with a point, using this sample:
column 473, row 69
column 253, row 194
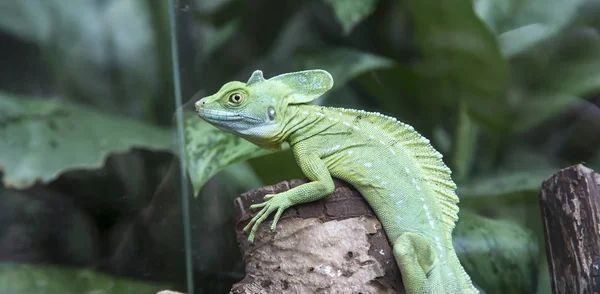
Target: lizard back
column 371, row 135
column 393, row 167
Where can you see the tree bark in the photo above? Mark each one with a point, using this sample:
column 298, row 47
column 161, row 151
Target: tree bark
column 570, row 204
column 334, row 245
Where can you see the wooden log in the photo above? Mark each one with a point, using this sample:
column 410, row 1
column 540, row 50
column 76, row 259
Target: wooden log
column 334, row 245
column 570, row 204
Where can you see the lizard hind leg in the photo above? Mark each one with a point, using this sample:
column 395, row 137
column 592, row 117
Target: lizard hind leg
column 416, row 260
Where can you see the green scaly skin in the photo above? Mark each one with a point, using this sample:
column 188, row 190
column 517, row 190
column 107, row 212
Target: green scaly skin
column 402, row 177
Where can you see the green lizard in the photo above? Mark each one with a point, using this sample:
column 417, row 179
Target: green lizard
column 396, row 169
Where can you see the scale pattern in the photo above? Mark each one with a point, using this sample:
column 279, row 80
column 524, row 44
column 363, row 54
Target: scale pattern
column 435, row 172
column 339, row 132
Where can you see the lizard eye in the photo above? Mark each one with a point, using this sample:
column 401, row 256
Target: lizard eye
column 236, row 98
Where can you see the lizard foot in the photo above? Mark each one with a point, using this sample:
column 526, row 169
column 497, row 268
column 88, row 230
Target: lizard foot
column 272, row 202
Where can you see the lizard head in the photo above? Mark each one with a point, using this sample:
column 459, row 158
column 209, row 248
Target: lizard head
column 256, row 110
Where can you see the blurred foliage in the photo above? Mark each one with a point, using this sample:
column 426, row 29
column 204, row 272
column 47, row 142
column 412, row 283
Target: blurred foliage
column 95, row 52
column 351, row 13
column 507, row 90
column 486, row 247
column 209, row 149
column 26, row 279
column 44, row 137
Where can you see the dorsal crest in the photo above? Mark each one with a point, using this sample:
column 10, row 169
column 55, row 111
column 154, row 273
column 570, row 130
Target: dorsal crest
column 436, row 173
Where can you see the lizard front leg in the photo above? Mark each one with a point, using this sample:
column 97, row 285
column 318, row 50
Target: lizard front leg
column 322, row 185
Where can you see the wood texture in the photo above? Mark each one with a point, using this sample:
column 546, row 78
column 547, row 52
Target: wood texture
column 570, row 204
column 335, row 245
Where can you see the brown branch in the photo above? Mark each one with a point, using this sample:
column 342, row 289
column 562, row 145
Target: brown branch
column 334, row 245
column 570, row 204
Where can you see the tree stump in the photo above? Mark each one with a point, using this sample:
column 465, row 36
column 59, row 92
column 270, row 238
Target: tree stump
column 570, row 203
column 334, row 245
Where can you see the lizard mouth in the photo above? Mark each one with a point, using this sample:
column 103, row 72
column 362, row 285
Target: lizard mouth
column 218, row 115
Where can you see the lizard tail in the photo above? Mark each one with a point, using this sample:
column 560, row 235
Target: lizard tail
column 466, row 285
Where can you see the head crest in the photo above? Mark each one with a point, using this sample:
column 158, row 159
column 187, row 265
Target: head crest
column 305, row 86
column 257, row 76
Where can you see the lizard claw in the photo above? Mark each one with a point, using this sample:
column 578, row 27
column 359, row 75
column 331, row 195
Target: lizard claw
column 279, row 203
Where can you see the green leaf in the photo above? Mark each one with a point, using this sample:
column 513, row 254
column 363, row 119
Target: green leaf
column 459, row 58
column 40, row 139
column 505, row 183
column 103, row 55
column 351, row 12
column 212, row 6
column 296, row 34
column 518, row 40
column 219, row 36
column 27, row 278
column 536, row 108
column 283, row 163
column 441, row 139
column 576, row 62
column 544, row 285
column 133, row 58
column 209, row 150
column 522, row 156
column 465, row 144
column 520, row 25
column 574, row 59
column 244, row 177
column 400, row 92
column 28, row 20
column 505, row 15
column 484, row 245
column 494, row 13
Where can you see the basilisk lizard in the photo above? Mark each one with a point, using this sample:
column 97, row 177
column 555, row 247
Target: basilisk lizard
column 399, row 173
